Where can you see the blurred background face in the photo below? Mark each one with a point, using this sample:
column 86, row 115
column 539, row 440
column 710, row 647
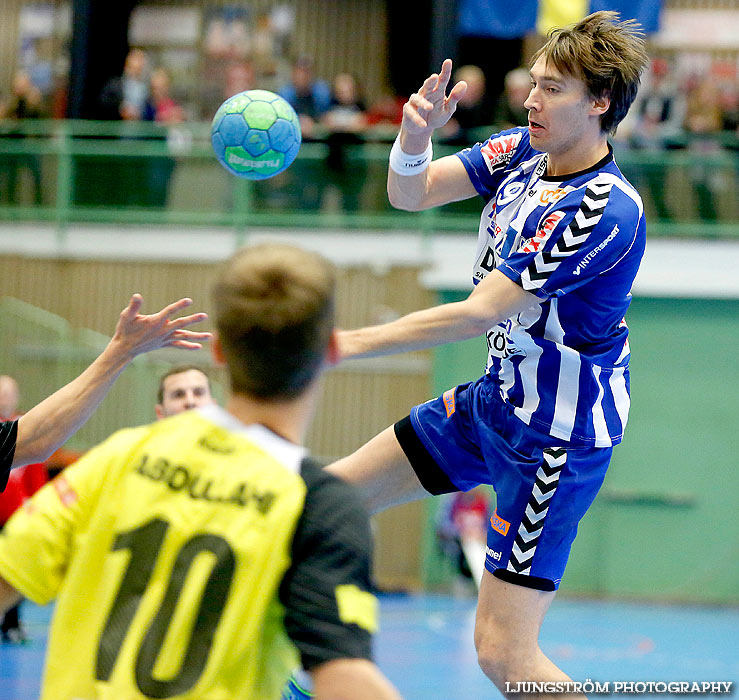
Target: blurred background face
column 239, row 77
column 345, row 89
column 475, row 79
column 302, row 76
column 21, row 84
column 136, row 63
column 517, row 86
column 184, row 391
column 9, row 396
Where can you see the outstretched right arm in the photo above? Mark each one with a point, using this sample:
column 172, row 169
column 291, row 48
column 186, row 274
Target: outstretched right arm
column 50, row 423
column 444, row 180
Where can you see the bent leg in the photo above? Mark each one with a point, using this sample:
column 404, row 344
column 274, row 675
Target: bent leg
column 381, row 471
column 507, row 627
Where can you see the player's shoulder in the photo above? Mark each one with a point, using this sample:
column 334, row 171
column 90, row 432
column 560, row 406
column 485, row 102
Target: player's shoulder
column 317, row 480
column 125, row 436
column 608, row 191
column 329, row 494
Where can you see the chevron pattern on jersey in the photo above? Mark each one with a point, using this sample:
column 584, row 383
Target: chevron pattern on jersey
column 532, row 524
column 577, row 232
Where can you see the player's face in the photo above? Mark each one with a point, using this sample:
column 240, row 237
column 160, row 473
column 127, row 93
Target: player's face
column 560, row 110
column 183, row 392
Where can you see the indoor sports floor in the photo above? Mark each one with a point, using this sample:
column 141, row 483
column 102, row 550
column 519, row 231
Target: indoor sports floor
column 425, row 646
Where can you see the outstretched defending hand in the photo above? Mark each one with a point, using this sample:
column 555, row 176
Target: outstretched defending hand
column 138, row 333
column 430, row 107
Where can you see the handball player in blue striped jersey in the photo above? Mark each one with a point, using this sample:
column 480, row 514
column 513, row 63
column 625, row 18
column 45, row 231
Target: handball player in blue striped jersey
column 561, row 237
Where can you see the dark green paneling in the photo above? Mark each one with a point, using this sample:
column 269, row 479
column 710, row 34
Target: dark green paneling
column 666, row 523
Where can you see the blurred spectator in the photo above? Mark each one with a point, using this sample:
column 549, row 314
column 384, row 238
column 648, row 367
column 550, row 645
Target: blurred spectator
column 125, row 97
column 461, row 528
column 224, row 79
column 24, row 102
column 161, row 108
column 309, row 96
column 311, row 99
column 23, row 482
column 264, row 47
column 240, row 76
column 509, row 111
column 703, row 122
column 472, row 109
column 725, row 75
column 656, row 125
column 135, row 181
column 346, row 113
column 346, row 123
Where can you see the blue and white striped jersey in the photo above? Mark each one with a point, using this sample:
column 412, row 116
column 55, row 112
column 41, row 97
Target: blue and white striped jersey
column 575, row 242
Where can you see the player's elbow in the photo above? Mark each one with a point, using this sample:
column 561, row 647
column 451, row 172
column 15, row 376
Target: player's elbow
column 399, row 200
column 477, row 318
column 30, row 454
column 33, row 444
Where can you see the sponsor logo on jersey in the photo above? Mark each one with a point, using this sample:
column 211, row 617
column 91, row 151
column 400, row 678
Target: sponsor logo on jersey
column 486, row 262
column 499, row 341
column 499, row 525
column 497, row 152
column 550, row 196
column 541, row 167
column 449, row 402
column 510, row 192
column 545, row 229
column 493, row 554
column 591, row 255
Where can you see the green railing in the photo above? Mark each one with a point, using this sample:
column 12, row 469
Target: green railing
column 68, row 172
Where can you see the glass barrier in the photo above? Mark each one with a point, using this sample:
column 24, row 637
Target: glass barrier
column 141, row 172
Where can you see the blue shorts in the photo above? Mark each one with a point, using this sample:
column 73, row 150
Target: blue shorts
column 470, row 436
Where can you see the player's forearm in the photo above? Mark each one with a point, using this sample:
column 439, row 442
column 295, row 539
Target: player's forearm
column 416, row 331
column 493, row 300
column 52, row 422
column 352, row 679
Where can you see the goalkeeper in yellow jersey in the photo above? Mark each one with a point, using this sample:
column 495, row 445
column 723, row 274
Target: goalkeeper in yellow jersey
column 205, row 556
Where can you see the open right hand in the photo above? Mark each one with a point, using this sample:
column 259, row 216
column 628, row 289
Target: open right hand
column 430, row 107
column 138, row 333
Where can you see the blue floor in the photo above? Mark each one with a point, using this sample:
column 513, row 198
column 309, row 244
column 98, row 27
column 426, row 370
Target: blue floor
column 425, row 646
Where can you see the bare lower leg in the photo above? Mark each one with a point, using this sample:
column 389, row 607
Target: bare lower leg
column 381, row 471
column 509, row 618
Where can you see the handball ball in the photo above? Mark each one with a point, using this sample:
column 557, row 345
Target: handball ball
column 255, row 134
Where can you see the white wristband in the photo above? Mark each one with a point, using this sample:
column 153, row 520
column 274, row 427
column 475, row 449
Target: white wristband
column 406, row 164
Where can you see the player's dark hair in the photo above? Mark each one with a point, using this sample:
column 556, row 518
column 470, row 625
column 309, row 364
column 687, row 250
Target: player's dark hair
column 608, row 55
column 274, row 309
column 179, row 369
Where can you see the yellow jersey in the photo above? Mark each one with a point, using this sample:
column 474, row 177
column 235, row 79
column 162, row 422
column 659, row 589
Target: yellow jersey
column 196, row 557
